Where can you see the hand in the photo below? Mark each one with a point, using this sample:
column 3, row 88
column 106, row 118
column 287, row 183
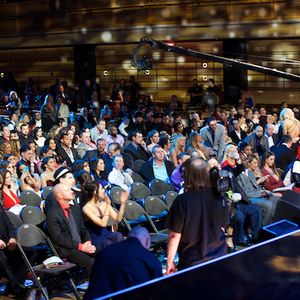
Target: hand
column 12, row 244
column 124, row 197
column 2, row 245
column 171, row 268
column 107, row 200
column 88, row 248
column 143, row 144
column 265, row 194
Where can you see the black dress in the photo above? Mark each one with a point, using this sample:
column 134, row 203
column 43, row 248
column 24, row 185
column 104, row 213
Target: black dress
column 199, row 217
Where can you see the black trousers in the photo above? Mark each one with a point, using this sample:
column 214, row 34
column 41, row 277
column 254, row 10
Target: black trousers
column 80, row 258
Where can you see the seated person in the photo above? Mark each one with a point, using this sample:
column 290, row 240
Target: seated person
column 10, row 198
column 123, row 265
column 97, row 209
column 268, row 169
column 119, row 177
column 67, row 231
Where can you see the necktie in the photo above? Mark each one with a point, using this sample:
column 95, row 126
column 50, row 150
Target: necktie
column 73, row 227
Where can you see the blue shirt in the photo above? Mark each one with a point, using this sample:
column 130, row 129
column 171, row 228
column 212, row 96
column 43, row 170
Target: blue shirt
column 160, row 172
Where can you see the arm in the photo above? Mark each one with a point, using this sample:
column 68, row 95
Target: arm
column 173, row 242
column 174, row 158
column 91, row 214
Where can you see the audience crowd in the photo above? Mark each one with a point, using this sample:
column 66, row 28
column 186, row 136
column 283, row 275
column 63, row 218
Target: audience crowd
column 83, row 147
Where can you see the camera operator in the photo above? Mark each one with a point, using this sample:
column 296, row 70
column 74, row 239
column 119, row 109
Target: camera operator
column 239, row 209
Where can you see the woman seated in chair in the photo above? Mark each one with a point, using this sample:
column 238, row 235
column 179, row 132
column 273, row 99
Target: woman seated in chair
column 268, row 169
column 48, row 166
column 98, row 172
column 119, row 177
column 29, row 182
column 10, row 197
column 97, row 210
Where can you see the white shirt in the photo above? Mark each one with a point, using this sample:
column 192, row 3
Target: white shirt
column 122, row 179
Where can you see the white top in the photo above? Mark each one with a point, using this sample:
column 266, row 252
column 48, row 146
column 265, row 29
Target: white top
column 122, row 179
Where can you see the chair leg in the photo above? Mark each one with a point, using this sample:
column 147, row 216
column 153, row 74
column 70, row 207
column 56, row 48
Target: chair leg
column 74, row 288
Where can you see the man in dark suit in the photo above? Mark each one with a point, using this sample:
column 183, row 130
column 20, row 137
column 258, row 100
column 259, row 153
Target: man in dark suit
column 67, row 231
column 284, row 155
column 157, row 167
column 271, row 136
column 65, row 150
column 137, row 147
column 237, row 134
column 124, row 264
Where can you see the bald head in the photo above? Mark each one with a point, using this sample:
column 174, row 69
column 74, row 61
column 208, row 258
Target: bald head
column 63, row 192
column 142, row 234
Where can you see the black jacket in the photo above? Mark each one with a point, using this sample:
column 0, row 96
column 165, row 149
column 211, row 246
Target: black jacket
column 146, row 170
column 136, row 153
column 59, row 229
column 235, row 138
column 64, row 156
column 6, row 228
column 283, row 156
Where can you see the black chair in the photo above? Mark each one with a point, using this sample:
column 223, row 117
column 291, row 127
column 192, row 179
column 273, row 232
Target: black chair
column 159, row 187
column 136, row 165
column 139, row 191
column 30, row 198
column 15, row 219
column 115, row 193
column 46, row 191
column 158, row 211
column 170, row 197
column 137, row 177
column 135, row 215
column 32, row 215
column 30, row 236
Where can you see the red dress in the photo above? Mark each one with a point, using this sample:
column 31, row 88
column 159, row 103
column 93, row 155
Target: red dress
column 271, row 183
column 9, row 200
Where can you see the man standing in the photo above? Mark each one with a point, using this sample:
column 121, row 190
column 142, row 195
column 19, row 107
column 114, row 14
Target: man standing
column 213, row 137
column 124, row 264
column 67, row 231
column 156, row 167
column 196, row 93
column 237, row 134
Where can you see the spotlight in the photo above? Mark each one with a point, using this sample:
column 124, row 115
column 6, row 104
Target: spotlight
column 105, row 73
column 147, row 72
column 204, row 65
column 2, row 75
column 204, row 78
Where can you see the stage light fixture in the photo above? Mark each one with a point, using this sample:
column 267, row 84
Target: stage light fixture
column 105, row 73
column 204, row 65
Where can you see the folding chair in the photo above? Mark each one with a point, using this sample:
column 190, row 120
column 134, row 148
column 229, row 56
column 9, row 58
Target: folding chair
column 159, row 187
column 115, row 193
column 15, row 219
column 170, row 197
column 139, row 191
column 137, row 177
column 46, row 191
column 157, row 210
column 137, row 165
column 135, row 215
column 32, row 215
column 30, row 198
column 29, row 236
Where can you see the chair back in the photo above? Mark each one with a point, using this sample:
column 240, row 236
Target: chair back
column 159, row 187
column 137, row 177
column 133, row 210
column 137, row 165
column 154, row 206
column 30, row 198
column 28, row 235
column 139, row 191
column 46, row 191
column 115, row 193
column 32, row 215
column 170, row 197
column 14, row 219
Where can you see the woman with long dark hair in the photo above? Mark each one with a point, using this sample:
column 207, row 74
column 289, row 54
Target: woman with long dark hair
column 196, row 219
column 97, row 210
